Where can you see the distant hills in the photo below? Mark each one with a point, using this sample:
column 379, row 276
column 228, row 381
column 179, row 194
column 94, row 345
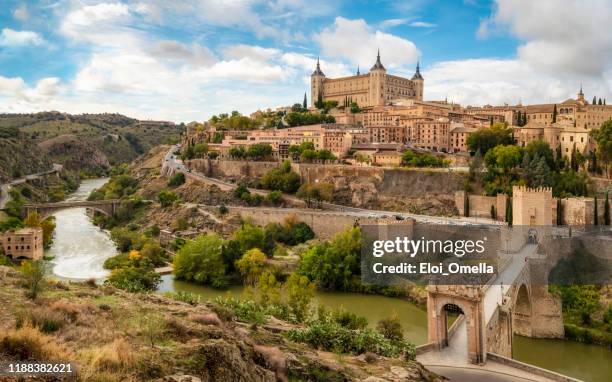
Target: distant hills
column 87, row 143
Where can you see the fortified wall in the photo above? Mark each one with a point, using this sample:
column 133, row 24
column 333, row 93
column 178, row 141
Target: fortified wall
column 575, row 211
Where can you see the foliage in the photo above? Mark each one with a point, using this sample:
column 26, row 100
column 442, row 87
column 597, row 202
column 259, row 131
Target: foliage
column 334, row 337
column 166, row 198
column 135, row 279
column 251, row 265
column 33, row 274
column 305, row 118
column 119, row 186
column 569, row 183
column 299, row 291
column 187, row 297
column 603, row 137
column 290, row 233
column 201, row 261
column 47, row 226
column 275, row 197
column 233, row 121
column 487, row 138
column 281, row 179
column 390, row 328
column 413, row 159
column 316, row 192
column 332, row 265
column 259, row 151
column 176, row 180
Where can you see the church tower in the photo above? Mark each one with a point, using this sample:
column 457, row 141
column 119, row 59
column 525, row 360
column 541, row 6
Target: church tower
column 316, row 85
column 581, row 95
column 378, row 83
column 418, row 83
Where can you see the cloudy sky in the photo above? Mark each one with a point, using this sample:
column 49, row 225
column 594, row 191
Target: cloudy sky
column 186, row 60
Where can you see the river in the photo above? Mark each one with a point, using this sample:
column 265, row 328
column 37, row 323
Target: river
column 80, row 248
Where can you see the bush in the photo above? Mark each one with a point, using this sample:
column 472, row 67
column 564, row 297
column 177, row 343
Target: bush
column 251, row 265
column 331, row 336
column 281, row 179
column 275, row 197
column 201, row 260
column 390, row 328
column 166, row 198
column 188, row 297
column 223, row 209
column 33, row 274
column 46, row 320
column 176, row 180
column 135, row 279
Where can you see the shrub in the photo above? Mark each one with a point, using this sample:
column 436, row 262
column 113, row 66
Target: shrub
column 390, row 328
column 188, row 297
column 223, row 209
column 251, row 265
column 33, row 274
column 243, row 310
column 201, row 260
column 46, row 320
column 275, row 197
column 166, row 198
column 135, row 279
column 115, row 356
column 331, row 336
column 176, row 180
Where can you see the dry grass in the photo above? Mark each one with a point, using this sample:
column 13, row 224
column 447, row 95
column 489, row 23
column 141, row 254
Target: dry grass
column 205, row 319
column 116, row 356
column 46, row 320
column 70, row 309
column 29, row 343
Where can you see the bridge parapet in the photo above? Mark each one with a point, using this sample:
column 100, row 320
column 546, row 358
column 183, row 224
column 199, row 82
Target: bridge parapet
column 44, row 210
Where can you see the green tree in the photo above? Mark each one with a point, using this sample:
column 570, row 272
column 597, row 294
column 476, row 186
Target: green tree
column 540, row 148
column 201, row 261
column 275, row 197
column 559, row 212
column 487, row 138
column 509, row 211
column 332, row 265
column 305, row 102
column 594, row 100
column 554, row 115
column 251, row 265
column 603, row 137
column 250, row 236
column 466, row 204
column 300, row 291
column 391, row 328
column 33, row 274
column 259, row 151
column 135, row 279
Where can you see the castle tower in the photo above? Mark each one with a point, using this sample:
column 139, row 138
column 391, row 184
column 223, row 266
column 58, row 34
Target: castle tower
column 316, row 84
column 581, row 95
column 418, row 82
column 531, row 206
column 378, row 83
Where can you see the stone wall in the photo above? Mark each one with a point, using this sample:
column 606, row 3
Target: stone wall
column 325, row 224
column 499, row 333
column 480, row 206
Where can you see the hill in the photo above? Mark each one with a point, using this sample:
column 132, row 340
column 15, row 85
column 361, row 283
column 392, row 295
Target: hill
column 19, row 155
column 90, row 143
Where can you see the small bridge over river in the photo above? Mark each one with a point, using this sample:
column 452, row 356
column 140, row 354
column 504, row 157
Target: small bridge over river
column 44, row 210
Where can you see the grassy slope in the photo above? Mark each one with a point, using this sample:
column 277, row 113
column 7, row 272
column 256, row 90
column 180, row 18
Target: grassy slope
column 116, row 336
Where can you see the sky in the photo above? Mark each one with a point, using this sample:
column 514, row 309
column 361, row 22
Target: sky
column 186, row 60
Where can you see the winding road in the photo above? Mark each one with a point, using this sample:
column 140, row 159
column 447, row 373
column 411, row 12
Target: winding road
column 6, row 187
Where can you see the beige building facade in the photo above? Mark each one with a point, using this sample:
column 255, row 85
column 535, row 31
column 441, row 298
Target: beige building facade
column 25, row 243
column 375, row 88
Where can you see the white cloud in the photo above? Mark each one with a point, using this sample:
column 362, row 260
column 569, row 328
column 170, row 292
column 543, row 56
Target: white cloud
column 21, row 13
column 356, row 42
column 174, row 51
column 497, row 81
column 422, row 24
column 569, row 38
column 12, row 38
column 256, row 53
column 18, row 92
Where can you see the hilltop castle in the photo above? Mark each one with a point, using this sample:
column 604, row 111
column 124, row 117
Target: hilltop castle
column 376, row 88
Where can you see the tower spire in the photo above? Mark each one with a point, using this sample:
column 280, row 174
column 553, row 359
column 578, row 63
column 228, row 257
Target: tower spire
column 357, row 69
column 318, row 70
column 378, row 64
column 417, row 73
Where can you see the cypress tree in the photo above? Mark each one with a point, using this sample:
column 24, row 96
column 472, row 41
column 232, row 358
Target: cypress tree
column 595, row 212
column 305, row 102
column 607, row 210
column 600, row 103
column 493, row 215
column 554, row 116
column 509, row 211
column 594, row 100
column 466, row 204
column 604, row 101
column 559, row 212
column 319, row 103
column 573, row 159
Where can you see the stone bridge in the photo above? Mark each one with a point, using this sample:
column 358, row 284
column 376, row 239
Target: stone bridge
column 44, row 210
column 513, row 301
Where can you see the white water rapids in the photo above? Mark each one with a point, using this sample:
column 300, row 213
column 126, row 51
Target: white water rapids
column 79, row 247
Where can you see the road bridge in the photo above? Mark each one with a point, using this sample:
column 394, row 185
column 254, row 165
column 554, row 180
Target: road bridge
column 44, row 210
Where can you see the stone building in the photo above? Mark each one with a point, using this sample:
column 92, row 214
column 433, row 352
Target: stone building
column 458, row 135
column 375, row 88
column 25, row 243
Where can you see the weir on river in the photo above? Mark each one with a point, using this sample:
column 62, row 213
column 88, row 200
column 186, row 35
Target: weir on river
column 80, row 248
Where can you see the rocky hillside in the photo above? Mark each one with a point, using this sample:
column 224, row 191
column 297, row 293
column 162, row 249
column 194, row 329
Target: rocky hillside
column 19, row 155
column 90, row 142
column 111, row 335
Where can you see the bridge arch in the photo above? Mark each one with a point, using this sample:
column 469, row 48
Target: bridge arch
column 106, row 207
column 522, row 311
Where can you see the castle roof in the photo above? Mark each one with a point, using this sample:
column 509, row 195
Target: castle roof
column 378, row 65
column 417, row 74
column 318, row 70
